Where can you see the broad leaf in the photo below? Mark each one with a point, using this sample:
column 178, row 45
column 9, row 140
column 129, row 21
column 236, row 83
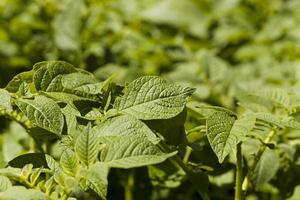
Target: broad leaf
column 43, row 112
column 124, row 125
column 15, row 83
column 151, row 97
column 46, row 74
column 133, row 151
column 86, row 147
column 20, row 192
column 224, row 132
column 266, row 168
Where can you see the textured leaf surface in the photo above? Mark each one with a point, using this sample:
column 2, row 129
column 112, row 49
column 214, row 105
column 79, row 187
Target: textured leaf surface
column 15, row 83
column 86, row 146
column 133, row 151
column 69, row 162
column 4, row 183
column 5, row 103
column 151, row 97
column 20, row 192
column 224, row 132
column 43, row 112
column 47, row 74
column 124, row 125
column 97, row 179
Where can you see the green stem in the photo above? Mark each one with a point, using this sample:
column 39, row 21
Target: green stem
column 256, row 160
column 177, row 160
column 129, row 186
column 239, row 172
column 187, row 154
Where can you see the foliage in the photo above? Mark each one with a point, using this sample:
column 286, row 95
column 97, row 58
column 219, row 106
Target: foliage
column 170, row 100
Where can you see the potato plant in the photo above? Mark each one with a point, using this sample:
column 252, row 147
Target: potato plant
column 82, row 130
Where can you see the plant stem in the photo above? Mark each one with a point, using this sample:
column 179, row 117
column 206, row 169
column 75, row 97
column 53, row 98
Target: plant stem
column 129, row 186
column 187, row 154
column 256, row 160
column 177, row 160
column 239, row 172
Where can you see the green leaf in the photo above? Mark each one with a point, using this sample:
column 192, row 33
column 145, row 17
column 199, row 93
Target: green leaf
column 86, row 147
column 171, row 129
column 69, row 162
column 266, row 168
column 5, row 98
column 224, row 132
column 151, row 97
column 48, row 73
column 4, row 183
column 166, row 174
column 15, row 83
column 134, row 151
column 97, row 179
column 20, row 192
column 36, row 159
column 124, row 125
column 67, row 25
column 43, row 112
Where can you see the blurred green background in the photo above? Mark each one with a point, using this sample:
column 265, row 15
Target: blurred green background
column 207, row 44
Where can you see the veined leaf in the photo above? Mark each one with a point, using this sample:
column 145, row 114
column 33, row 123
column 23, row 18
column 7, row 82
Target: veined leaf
column 97, row 179
column 124, row 125
column 15, row 83
column 5, row 98
column 151, row 97
column 20, row 192
column 224, row 132
column 4, row 183
column 69, row 162
column 46, row 73
column 133, row 151
column 86, row 147
column 43, row 112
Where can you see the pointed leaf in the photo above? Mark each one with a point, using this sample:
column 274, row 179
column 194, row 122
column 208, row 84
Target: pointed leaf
column 124, row 125
column 224, row 132
column 133, row 151
column 46, row 73
column 69, row 162
column 86, row 147
column 43, row 112
column 151, row 97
